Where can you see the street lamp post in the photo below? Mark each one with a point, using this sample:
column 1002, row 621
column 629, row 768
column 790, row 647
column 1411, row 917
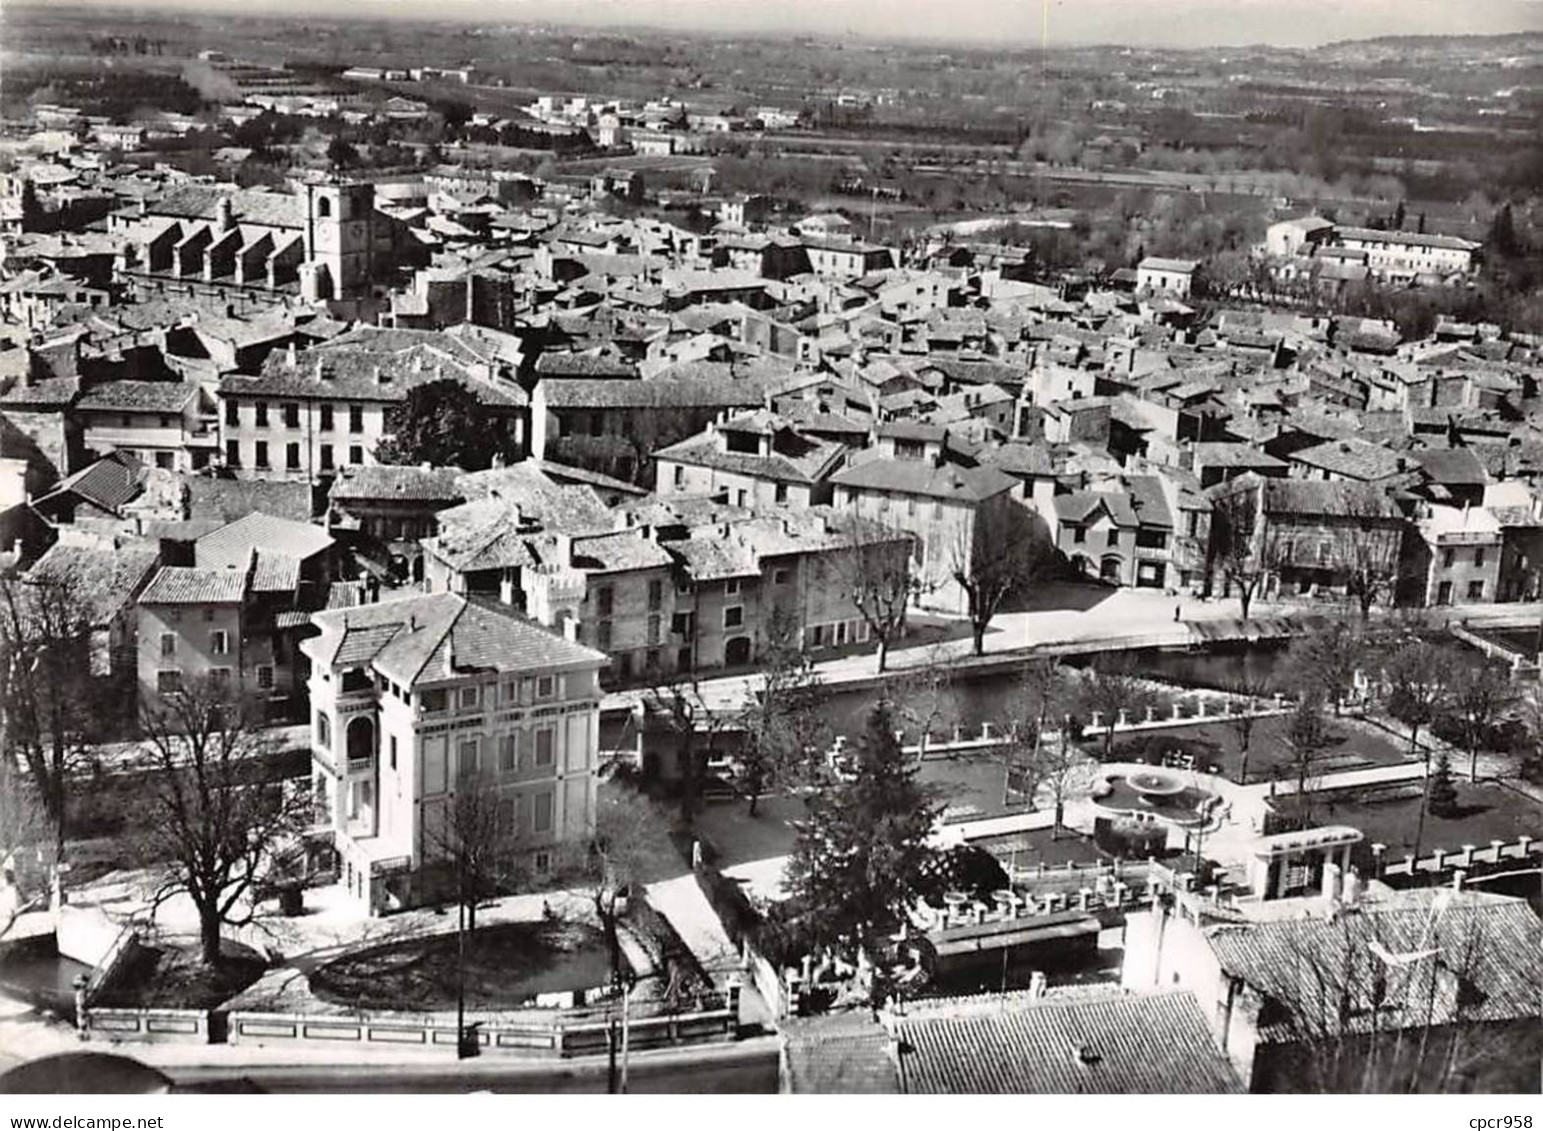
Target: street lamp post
column 460, row 977
column 465, row 1042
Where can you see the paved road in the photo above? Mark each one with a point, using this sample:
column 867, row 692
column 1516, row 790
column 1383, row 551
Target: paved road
column 748, row 1067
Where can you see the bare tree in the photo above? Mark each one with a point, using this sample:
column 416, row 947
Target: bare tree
column 1250, row 689
column 1382, row 1002
column 1419, row 683
column 1325, row 661
column 1243, row 543
column 25, row 833
column 629, row 848
column 1305, row 739
column 475, row 841
column 922, row 696
column 876, row 574
column 678, row 704
column 50, row 706
column 1057, row 766
column 1043, row 695
column 1369, row 546
column 999, row 556
column 1109, row 689
column 1418, row 675
column 1480, row 689
column 783, row 719
column 217, row 811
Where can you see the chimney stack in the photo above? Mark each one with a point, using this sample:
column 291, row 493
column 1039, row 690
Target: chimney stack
column 1331, row 888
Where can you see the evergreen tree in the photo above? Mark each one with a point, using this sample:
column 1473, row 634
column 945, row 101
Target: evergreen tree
column 1502, row 233
column 1398, row 217
column 1441, row 797
column 442, row 423
column 862, row 857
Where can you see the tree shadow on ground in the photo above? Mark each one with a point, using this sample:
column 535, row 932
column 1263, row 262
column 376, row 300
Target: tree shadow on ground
column 171, row 973
column 1061, row 596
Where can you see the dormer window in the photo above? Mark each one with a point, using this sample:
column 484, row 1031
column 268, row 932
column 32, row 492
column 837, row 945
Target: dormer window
column 745, row 443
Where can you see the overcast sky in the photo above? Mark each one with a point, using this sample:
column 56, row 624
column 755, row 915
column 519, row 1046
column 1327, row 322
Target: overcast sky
column 1157, row 22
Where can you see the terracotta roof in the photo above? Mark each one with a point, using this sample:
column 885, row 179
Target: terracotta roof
column 1314, row 497
column 799, row 459
column 1451, row 465
column 1081, row 506
column 573, row 509
column 707, row 556
column 106, row 580
column 226, row 500
column 1220, row 454
column 559, row 473
column 275, row 573
column 138, row 396
column 1117, row 1044
column 188, row 585
column 1148, row 501
column 51, row 392
column 615, row 553
column 1485, row 970
column 108, row 483
column 233, row 543
column 202, row 202
column 838, row 1054
column 441, row 636
column 387, row 481
column 1411, row 239
column 923, row 477
column 585, row 365
column 1019, row 458
column 1159, row 263
column 660, row 392
column 380, row 365
column 1353, row 458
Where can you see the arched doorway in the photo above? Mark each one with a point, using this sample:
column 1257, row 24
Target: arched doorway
column 1109, row 570
column 361, row 738
column 737, row 651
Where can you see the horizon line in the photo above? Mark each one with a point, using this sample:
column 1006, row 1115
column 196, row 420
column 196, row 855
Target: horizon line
column 465, row 12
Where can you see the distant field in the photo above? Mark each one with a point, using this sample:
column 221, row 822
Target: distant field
column 676, row 163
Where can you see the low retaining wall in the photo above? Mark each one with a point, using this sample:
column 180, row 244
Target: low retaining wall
column 158, row 1026
column 768, row 983
column 1442, row 864
column 122, row 952
column 563, row 1035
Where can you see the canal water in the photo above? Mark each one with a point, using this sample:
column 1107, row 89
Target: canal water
column 34, row 971
column 988, row 697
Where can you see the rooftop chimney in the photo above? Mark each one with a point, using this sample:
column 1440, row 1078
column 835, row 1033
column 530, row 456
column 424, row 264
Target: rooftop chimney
column 1331, row 886
column 290, row 355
